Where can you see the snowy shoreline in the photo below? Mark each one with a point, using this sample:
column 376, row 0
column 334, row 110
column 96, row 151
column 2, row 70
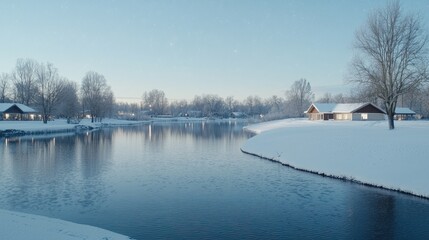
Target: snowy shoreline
column 366, row 153
column 60, row 126
column 19, row 226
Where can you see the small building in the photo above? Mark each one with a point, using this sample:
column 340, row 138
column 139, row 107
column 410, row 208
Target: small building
column 345, row 111
column 17, row 112
column 404, row 113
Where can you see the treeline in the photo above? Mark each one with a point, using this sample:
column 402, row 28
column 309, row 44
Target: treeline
column 39, row 85
column 156, row 103
column 293, row 104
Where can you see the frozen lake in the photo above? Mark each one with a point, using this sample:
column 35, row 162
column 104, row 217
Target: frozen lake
column 191, row 181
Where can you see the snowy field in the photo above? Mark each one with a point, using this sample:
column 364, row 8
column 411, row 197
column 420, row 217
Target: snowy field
column 365, row 152
column 20, row 226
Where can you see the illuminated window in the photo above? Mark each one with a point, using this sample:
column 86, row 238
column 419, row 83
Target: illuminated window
column 364, row 116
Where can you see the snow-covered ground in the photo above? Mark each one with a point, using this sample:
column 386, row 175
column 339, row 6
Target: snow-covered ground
column 20, row 226
column 365, row 152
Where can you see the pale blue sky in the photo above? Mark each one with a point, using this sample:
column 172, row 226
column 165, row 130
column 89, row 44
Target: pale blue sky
column 186, row 48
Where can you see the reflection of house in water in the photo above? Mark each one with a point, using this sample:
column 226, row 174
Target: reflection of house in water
column 403, row 113
column 17, row 111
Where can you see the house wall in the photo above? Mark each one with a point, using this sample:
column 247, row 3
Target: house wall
column 342, row 116
column 369, row 116
column 315, row 116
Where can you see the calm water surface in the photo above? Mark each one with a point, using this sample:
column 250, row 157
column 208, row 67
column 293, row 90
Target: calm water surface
column 190, row 181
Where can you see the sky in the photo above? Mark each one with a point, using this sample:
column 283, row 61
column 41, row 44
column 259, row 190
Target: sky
column 192, row 47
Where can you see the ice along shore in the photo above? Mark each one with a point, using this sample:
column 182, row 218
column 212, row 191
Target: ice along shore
column 363, row 152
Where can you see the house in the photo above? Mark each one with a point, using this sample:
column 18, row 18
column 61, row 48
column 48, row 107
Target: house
column 345, row 111
column 403, row 113
column 16, row 111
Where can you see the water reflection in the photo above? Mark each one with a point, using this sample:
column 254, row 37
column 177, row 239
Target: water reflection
column 198, row 130
column 373, row 216
column 161, row 181
column 42, row 172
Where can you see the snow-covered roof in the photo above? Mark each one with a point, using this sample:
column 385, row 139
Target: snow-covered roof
column 24, row 108
column 339, row 107
column 348, row 107
column 402, row 110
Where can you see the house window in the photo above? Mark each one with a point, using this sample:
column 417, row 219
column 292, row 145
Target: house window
column 364, row 116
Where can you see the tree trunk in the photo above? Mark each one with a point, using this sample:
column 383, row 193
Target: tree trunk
column 390, row 110
column 45, row 119
column 391, row 121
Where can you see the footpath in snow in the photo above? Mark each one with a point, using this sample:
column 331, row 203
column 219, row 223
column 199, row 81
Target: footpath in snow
column 365, row 152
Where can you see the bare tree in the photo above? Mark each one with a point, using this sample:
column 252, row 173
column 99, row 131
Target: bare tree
column 4, row 87
column 392, row 57
column 179, row 108
column 155, row 101
column 340, row 98
column 231, row 104
column 299, row 97
column 24, row 81
column 96, row 95
column 424, row 104
column 69, row 103
column 327, row 98
column 49, row 89
column 213, row 105
column 275, row 104
column 255, row 106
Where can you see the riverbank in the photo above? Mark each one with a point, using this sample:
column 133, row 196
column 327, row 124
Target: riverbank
column 363, row 152
column 27, row 226
column 20, row 128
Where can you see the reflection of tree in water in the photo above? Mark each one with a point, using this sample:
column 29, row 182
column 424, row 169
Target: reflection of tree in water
column 373, row 216
column 53, row 173
column 198, row 130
